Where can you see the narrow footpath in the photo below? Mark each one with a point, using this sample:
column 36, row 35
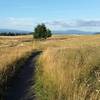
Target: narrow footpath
column 20, row 85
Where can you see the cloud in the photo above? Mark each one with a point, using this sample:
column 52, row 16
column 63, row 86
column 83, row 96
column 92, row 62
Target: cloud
column 91, row 23
column 17, row 23
column 74, row 24
column 29, row 23
column 59, row 23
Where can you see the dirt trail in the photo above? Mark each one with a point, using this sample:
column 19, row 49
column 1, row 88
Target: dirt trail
column 20, row 85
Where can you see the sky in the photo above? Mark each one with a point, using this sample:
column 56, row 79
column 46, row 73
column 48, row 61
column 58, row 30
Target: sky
column 56, row 14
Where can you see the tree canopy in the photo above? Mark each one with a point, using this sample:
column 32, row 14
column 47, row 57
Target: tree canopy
column 42, row 32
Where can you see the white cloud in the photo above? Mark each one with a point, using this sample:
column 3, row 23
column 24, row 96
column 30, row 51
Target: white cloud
column 75, row 23
column 17, row 23
column 29, row 24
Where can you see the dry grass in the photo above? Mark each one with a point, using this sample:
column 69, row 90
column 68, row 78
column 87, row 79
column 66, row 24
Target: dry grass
column 9, row 41
column 69, row 69
column 9, row 54
column 12, row 58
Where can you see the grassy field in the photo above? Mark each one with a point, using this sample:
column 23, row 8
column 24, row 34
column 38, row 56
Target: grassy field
column 14, row 51
column 68, row 68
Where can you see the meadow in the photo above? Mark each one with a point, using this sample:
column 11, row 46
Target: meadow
column 14, row 51
column 67, row 69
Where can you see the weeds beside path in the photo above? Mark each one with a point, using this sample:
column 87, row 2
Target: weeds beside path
column 18, row 89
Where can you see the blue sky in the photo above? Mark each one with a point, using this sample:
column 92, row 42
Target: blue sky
column 56, row 14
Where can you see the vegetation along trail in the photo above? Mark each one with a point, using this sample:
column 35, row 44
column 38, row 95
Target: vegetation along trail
column 18, row 89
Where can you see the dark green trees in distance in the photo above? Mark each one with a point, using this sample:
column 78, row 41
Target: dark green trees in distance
column 41, row 32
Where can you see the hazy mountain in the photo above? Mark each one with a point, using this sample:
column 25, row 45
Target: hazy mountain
column 54, row 32
column 72, row 32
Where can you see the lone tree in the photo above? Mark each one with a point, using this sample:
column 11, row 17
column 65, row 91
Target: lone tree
column 42, row 32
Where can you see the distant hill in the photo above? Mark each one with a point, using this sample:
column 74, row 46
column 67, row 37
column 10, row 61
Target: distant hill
column 54, row 32
column 72, row 32
column 14, row 31
column 97, row 33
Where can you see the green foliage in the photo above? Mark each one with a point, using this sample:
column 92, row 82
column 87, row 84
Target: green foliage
column 41, row 32
column 49, row 34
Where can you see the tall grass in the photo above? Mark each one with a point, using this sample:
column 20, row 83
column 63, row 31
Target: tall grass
column 68, row 69
column 11, row 59
column 14, row 51
column 68, row 74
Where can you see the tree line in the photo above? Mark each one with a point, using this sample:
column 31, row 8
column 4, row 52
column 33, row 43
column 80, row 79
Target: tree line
column 40, row 32
column 13, row 34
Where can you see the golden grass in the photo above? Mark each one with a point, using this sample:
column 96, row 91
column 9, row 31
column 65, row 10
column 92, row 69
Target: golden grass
column 9, row 54
column 68, row 74
column 12, row 58
column 69, row 69
column 69, row 41
column 14, row 40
